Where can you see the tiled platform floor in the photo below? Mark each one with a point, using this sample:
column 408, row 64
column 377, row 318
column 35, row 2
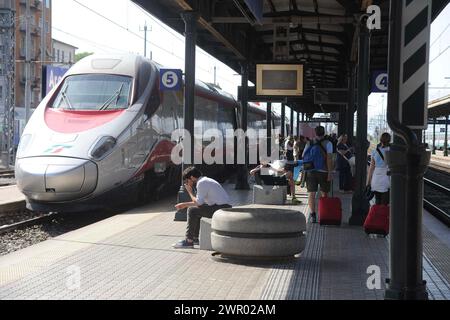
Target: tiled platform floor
column 129, row 256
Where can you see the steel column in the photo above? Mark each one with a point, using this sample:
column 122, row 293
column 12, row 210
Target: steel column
column 433, row 151
column 349, row 117
column 190, row 20
column 283, row 120
column 407, row 158
column 291, row 131
column 298, row 124
column 269, row 127
column 360, row 205
column 242, row 177
column 446, row 137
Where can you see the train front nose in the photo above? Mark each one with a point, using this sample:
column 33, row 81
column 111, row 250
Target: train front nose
column 56, row 179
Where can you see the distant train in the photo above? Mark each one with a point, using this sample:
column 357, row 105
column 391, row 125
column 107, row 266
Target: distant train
column 104, row 135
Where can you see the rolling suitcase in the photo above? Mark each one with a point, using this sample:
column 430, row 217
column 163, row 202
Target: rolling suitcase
column 330, row 210
column 377, row 221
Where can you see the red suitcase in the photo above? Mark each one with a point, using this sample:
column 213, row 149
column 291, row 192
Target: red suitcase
column 377, row 221
column 330, row 211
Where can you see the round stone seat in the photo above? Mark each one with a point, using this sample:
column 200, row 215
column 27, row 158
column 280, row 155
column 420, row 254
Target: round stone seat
column 258, row 231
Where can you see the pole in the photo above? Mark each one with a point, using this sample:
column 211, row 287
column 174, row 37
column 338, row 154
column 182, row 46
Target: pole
column 291, row 131
column 27, row 62
column 269, row 127
column 215, row 75
column 242, row 178
column 360, row 206
column 298, row 124
column 190, row 20
column 283, row 120
column 350, row 114
column 434, row 136
column 446, row 137
column 407, row 158
column 145, row 39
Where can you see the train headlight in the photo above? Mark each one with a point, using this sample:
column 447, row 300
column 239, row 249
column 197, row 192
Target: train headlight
column 102, row 148
column 23, row 144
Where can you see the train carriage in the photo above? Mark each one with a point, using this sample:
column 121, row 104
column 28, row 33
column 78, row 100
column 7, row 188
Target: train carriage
column 104, row 135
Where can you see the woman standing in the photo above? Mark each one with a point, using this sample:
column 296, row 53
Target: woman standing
column 378, row 177
column 343, row 166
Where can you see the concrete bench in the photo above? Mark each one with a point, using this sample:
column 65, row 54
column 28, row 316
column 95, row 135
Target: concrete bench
column 205, row 234
column 258, row 231
column 266, row 194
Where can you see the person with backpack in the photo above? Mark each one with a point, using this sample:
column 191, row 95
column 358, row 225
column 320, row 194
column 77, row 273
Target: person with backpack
column 317, row 162
column 378, row 178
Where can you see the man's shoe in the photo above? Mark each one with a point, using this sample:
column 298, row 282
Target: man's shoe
column 296, row 201
column 312, row 217
column 196, row 242
column 183, row 244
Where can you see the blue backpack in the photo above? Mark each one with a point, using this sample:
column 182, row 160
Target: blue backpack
column 314, row 157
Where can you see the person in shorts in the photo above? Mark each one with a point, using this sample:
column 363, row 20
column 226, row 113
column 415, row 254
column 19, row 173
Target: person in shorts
column 321, row 176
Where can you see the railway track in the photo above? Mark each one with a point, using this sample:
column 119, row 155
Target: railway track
column 7, row 174
column 437, row 194
column 41, row 218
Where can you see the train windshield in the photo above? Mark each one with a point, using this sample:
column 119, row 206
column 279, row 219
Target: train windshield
column 94, row 92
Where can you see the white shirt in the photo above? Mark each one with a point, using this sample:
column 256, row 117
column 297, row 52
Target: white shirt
column 210, row 192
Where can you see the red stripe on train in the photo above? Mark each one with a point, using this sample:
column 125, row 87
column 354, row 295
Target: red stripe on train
column 70, row 121
column 161, row 153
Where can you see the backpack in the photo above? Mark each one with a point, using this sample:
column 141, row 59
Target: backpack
column 314, row 157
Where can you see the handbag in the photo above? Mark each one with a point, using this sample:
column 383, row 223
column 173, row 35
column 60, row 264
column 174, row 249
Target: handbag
column 369, row 194
column 351, row 161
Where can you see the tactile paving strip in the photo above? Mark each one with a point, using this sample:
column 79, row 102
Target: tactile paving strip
column 298, row 280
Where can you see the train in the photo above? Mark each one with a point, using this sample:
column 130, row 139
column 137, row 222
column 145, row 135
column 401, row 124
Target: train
column 102, row 136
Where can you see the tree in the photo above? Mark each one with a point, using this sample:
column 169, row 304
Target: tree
column 82, row 55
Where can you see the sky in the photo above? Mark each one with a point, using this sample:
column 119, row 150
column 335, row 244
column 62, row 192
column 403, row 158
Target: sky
column 75, row 22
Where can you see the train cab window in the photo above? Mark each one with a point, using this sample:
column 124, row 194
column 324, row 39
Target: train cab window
column 94, row 92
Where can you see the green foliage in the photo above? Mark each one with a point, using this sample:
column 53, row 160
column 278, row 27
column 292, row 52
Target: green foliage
column 82, row 55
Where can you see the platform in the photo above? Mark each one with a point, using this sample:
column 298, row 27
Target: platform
column 129, row 256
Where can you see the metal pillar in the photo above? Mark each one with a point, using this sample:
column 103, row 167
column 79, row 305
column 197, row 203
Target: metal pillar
column 446, row 137
column 433, row 151
column 342, row 120
column 291, row 131
column 242, row 176
column 360, row 205
column 407, row 158
column 190, row 21
column 269, row 126
column 349, row 117
column 298, row 124
column 283, row 120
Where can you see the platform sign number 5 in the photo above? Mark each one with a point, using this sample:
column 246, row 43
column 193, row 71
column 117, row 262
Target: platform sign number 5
column 170, row 79
column 380, row 81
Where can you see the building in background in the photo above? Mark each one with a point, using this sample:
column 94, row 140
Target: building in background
column 63, row 53
column 37, row 30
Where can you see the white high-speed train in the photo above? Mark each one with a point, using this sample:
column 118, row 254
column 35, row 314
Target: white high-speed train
column 103, row 135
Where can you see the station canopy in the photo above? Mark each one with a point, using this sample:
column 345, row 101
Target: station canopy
column 320, row 34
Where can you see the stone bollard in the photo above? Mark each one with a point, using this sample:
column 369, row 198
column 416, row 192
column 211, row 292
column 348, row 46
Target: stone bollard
column 258, row 231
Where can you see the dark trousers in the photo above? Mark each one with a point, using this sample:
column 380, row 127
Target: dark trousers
column 345, row 179
column 382, row 198
column 195, row 214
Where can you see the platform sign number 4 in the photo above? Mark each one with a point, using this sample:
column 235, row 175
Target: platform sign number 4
column 170, row 79
column 380, row 81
